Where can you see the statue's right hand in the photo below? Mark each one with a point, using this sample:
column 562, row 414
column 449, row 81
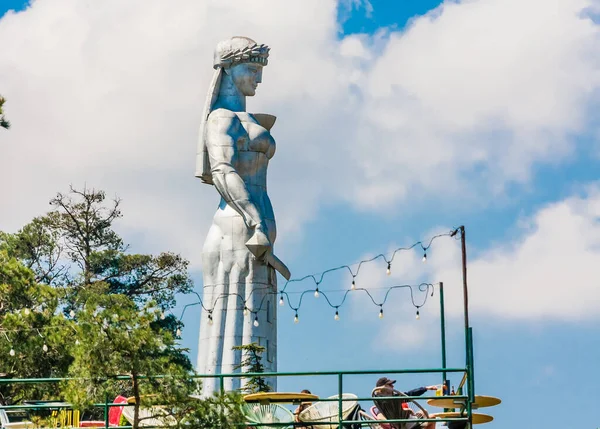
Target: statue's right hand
column 258, row 243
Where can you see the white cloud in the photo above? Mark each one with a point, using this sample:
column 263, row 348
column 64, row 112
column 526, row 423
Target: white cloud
column 550, row 272
column 547, row 272
column 110, row 94
column 473, row 95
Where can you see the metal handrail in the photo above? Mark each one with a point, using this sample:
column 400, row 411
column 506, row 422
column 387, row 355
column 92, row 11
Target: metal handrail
column 340, row 399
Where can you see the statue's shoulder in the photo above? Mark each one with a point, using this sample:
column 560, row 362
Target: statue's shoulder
column 222, row 114
column 224, row 121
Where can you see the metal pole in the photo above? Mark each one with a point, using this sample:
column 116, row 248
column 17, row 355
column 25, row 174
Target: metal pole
column 471, row 367
column 465, row 297
column 340, row 388
column 106, row 410
column 443, row 330
column 463, row 245
column 468, row 340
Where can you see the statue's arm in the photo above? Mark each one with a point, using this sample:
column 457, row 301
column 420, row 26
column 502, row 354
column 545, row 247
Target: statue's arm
column 223, row 129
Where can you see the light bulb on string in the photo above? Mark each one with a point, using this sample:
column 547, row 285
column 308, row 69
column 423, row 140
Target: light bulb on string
column 45, row 348
column 424, row 257
column 381, row 313
column 26, row 311
column 389, row 269
column 281, row 300
column 337, row 315
column 316, row 292
column 256, row 321
column 178, row 332
column 11, row 352
column 418, row 315
column 353, row 287
column 72, row 313
column 162, row 316
column 245, row 311
column 296, row 320
column 210, row 319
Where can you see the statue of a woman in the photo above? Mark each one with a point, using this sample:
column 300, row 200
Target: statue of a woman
column 237, row 259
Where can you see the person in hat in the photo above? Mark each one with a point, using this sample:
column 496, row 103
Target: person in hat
column 386, row 382
column 386, row 386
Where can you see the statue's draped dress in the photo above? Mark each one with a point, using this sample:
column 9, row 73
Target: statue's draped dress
column 233, row 277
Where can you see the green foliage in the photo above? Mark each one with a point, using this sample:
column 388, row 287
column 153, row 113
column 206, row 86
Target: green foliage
column 30, row 320
column 223, row 411
column 4, row 123
column 116, row 338
column 252, row 362
column 38, row 247
column 75, row 245
column 85, row 225
column 69, row 286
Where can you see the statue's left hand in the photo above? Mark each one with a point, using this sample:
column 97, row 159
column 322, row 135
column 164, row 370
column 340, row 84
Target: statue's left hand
column 258, row 244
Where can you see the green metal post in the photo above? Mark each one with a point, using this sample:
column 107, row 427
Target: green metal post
column 221, row 384
column 470, row 414
column 340, row 402
column 471, row 367
column 443, row 329
column 106, row 410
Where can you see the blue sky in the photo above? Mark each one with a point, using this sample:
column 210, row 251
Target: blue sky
column 480, row 113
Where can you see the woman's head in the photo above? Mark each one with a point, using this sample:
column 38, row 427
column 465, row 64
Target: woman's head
column 243, row 60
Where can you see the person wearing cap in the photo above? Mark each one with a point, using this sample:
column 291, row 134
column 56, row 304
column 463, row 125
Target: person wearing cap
column 386, row 382
column 387, row 387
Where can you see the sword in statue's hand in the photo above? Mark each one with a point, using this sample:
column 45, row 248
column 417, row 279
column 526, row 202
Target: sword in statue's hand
column 260, row 246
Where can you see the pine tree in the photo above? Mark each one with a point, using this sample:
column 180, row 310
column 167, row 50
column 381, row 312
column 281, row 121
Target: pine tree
column 252, row 363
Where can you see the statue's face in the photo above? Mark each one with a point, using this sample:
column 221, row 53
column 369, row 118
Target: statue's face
column 246, row 77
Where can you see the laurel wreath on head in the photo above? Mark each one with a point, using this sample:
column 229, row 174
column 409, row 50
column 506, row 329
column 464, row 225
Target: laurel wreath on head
column 250, row 54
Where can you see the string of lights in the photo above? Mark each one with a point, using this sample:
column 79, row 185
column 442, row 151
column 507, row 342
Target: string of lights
column 318, row 280
column 427, row 289
column 358, row 265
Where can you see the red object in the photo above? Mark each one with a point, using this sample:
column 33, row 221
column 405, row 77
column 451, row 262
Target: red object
column 91, row 424
column 114, row 413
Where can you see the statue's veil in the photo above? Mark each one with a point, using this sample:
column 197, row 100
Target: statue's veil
column 202, row 158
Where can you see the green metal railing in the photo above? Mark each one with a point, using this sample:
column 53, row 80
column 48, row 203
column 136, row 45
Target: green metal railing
column 339, row 375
